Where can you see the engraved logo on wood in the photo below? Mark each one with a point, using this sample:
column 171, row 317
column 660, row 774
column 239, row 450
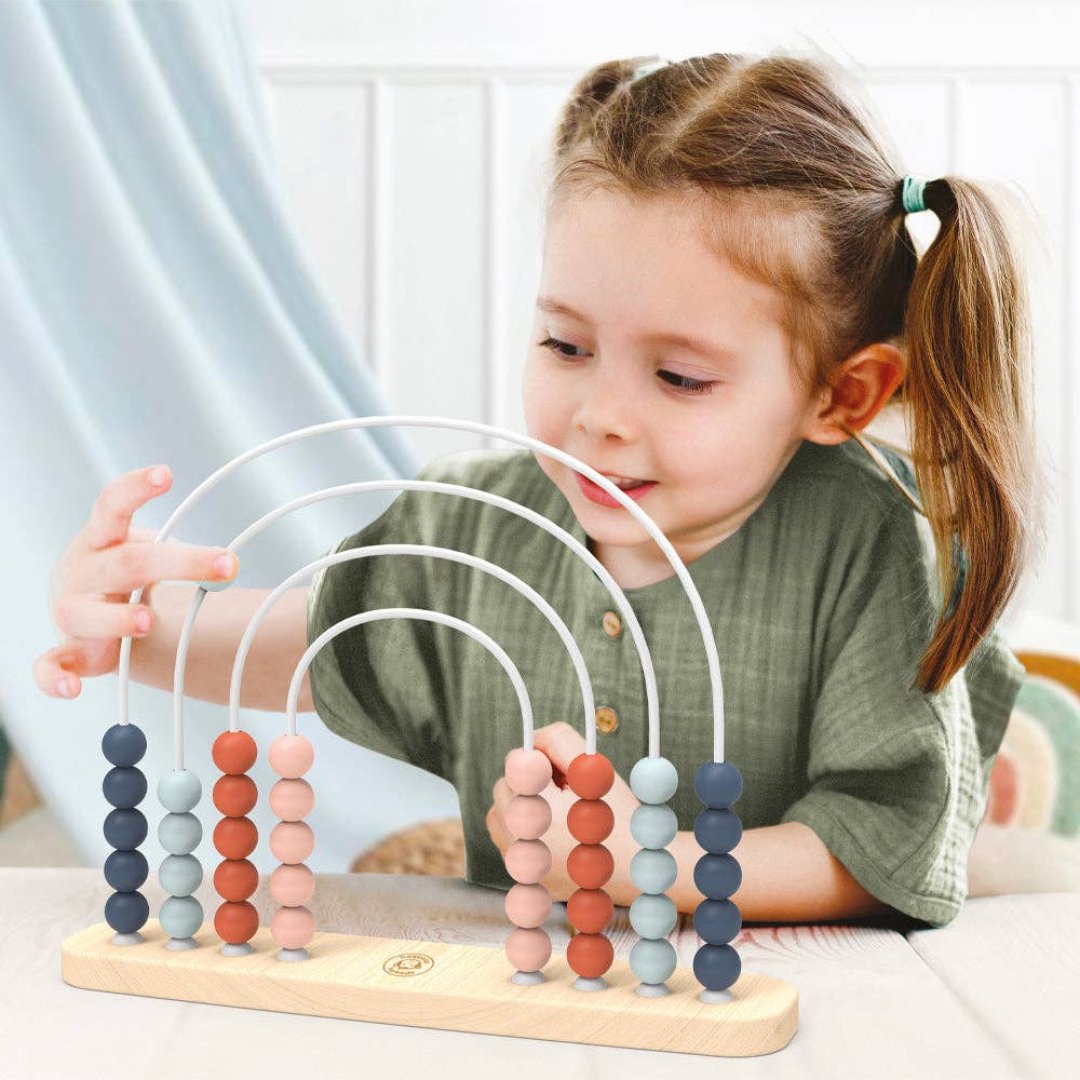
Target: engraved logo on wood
column 407, row 964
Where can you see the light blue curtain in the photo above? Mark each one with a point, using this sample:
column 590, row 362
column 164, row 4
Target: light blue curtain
column 155, row 306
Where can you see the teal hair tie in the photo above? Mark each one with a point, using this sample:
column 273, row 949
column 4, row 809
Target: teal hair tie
column 911, row 194
column 648, row 68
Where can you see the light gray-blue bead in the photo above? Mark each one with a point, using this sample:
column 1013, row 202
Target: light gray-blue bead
column 179, row 791
column 180, row 875
column 654, row 826
column 653, row 871
column 653, row 916
column 654, row 780
column 653, row 961
column 180, row 916
column 180, row 833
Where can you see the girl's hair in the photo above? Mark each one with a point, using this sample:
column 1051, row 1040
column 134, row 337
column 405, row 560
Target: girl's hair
column 789, row 139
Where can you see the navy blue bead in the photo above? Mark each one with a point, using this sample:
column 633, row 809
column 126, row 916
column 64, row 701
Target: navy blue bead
column 718, row 831
column 717, row 966
column 126, row 871
column 717, row 921
column 718, row 784
column 717, row 876
column 126, row 912
column 124, row 786
column 123, row 744
column 125, row 829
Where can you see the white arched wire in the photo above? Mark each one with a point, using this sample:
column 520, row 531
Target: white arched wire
column 249, row 533
column 650, row 526
column 489, row 643
column 415, row 549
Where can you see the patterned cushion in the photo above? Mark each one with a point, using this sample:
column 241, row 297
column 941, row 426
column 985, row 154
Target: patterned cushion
column 1035, row 781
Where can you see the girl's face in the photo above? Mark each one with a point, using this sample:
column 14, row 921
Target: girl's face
column 654, row 360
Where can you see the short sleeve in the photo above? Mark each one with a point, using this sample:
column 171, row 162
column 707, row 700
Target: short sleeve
column 897, row 778
column 379, row 684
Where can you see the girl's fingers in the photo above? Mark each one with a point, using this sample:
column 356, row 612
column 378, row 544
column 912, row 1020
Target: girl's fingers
column 127, row 567
column 497, row 829
column 501, row 793
column 81, row 616
column 110, row 518
column 560, row 742
column 57, row 671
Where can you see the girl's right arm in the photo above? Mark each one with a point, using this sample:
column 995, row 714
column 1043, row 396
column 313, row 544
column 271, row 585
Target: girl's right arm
column 109, row 559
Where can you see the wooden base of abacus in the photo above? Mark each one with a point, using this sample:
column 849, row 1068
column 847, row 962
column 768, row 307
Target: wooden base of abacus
column 438, row 985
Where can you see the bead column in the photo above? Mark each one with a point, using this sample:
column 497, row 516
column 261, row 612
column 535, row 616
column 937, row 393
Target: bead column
column 590, row 866
column 292, row 884
column 235, row 837
column 654, row 781
column 180, row 872
column 125, row 828
column 718, row 876
column 528, row 860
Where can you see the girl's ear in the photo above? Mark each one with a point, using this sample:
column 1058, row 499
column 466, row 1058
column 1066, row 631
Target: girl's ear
column 859, row 388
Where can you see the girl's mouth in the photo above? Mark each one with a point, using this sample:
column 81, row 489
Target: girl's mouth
column 598, row 495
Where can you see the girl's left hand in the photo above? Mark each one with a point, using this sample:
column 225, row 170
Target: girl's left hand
column 562, row 744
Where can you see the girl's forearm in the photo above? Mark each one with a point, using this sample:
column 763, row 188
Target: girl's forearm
column 275, row 650
column 789, row 875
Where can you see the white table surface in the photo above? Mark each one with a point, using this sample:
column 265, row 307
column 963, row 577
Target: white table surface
column 995, row 994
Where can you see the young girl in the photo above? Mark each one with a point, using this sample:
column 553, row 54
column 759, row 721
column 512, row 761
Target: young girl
column 729, row 295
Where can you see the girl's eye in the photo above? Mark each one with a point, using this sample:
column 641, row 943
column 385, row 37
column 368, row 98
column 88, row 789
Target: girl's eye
column 682, row 383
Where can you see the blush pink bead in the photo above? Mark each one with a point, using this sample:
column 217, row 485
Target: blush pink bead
column 292, row 885
column 528, row 816
column 292, row 927
column 291, row 799
column 527, row 861
column 528, row 772
column 528, row 950
column 291, row 756
column 292, row 841
column 526, row 905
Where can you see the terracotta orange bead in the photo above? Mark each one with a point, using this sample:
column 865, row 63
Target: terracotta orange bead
column 590, row 776
column 590, row 865
column 236, row 879
column 292, row 927
column 236, row 922
column 590, row 955
column 291, row 756
column 528, row 772
column 235, row 838
column 590, row 910
column 292, row 885
column 234, row 752
column 235, row 796
column 590, row 821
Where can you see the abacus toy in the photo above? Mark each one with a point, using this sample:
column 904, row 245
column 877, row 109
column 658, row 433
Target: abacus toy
column 649, row 1003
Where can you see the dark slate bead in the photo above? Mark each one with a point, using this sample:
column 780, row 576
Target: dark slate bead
column 125, row 829
column 717, row 876
column 717, row 966
column 126, row 871
column 123, row 744
column 718, row 831
column 124, row 786
column 126, row 912
column 718, row 784
column 717, row 921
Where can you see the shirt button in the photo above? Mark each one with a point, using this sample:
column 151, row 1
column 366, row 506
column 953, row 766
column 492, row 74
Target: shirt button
column 607, row 719
column 612, row 624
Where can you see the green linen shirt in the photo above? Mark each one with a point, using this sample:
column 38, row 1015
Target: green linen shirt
column 821, row 604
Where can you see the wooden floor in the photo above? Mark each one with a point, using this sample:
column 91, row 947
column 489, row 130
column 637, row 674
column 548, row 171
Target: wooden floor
column 439, row 985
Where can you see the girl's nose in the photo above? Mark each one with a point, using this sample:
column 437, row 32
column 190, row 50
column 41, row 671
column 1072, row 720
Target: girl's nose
column 606, row 409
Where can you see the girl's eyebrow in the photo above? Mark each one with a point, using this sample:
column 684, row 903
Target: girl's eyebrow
column 699, row 345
